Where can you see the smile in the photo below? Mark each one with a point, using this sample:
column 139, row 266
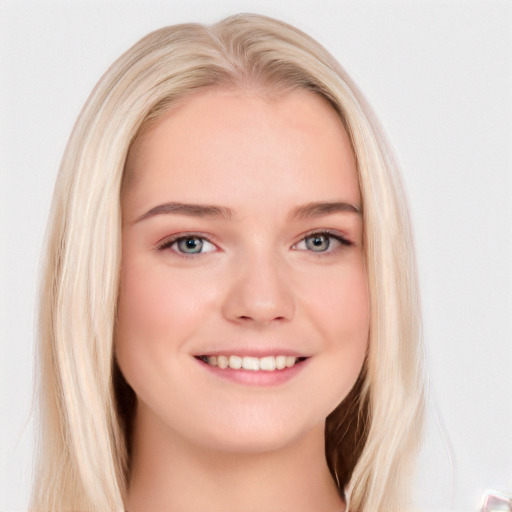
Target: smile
column 268, row 363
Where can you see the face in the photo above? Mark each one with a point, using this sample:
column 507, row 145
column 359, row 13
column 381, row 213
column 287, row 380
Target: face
column 242, row 246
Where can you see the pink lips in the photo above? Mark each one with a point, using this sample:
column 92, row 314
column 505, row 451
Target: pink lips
column 247, row 352
column 260, row 378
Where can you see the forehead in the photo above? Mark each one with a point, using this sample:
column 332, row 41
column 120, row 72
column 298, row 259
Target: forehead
column 220, row 140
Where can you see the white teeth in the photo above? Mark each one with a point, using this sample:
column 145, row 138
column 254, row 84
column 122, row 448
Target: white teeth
column 250, row 363
column 235, row 362
column 290, row 361
column 280, row 362
column 222, row 362
column 268, row 363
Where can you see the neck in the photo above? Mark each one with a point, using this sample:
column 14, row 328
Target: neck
column 169, row 474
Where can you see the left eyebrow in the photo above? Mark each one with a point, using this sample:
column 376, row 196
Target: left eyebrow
column 319, row 209
column 191, row 210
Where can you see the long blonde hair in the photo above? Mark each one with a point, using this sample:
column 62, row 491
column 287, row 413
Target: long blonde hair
column 372, row 437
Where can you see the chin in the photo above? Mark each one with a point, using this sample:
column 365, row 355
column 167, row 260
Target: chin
column 256, row 439
column 259, row 430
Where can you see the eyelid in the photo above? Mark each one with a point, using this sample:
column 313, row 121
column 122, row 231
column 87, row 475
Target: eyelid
column 167, row 242
column 342, row 239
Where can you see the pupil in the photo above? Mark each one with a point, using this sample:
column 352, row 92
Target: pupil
column 318, row 243
column 190, row 245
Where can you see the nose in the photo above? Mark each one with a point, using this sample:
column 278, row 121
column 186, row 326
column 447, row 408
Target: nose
column 259, row 293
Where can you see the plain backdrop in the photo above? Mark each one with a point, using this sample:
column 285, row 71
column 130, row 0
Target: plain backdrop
column 438, row 74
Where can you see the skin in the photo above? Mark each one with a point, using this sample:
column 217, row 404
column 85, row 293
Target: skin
column 203, row 442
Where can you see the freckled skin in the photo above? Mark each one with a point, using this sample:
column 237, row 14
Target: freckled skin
column 257, row 283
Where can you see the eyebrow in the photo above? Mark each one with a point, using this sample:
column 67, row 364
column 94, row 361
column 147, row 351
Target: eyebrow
column 192, row 210
column 309, row 210
column 312, row 210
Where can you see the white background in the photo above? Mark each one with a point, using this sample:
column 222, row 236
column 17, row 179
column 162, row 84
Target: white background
column 438, row 74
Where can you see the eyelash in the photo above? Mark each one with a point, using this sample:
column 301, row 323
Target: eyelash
column 168, row 243
column 330, row 236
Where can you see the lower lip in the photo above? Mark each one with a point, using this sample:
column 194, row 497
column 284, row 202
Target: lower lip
column 260, row 378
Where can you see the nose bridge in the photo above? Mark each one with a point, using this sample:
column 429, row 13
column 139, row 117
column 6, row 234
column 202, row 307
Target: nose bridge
column 261, row 290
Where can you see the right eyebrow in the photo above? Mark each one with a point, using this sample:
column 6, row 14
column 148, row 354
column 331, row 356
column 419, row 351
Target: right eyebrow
column 320, row 209
column 189, row 209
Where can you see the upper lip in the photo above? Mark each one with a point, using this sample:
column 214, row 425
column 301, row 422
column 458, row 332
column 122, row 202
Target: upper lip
column 252, row 352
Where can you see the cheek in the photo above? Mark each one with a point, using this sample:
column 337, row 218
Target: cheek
column 157, row 313
column 157, row 305
column 339, row 305
column 341, row 314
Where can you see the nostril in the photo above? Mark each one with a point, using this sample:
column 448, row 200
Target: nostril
column 247, row 318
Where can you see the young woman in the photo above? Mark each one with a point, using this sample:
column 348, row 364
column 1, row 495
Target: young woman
column 229, row 317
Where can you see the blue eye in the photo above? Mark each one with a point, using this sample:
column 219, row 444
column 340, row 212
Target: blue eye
column 322, row 242
column 318, row 242
column 188, row 245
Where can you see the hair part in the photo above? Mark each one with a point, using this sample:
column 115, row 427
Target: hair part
column 85, row 404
